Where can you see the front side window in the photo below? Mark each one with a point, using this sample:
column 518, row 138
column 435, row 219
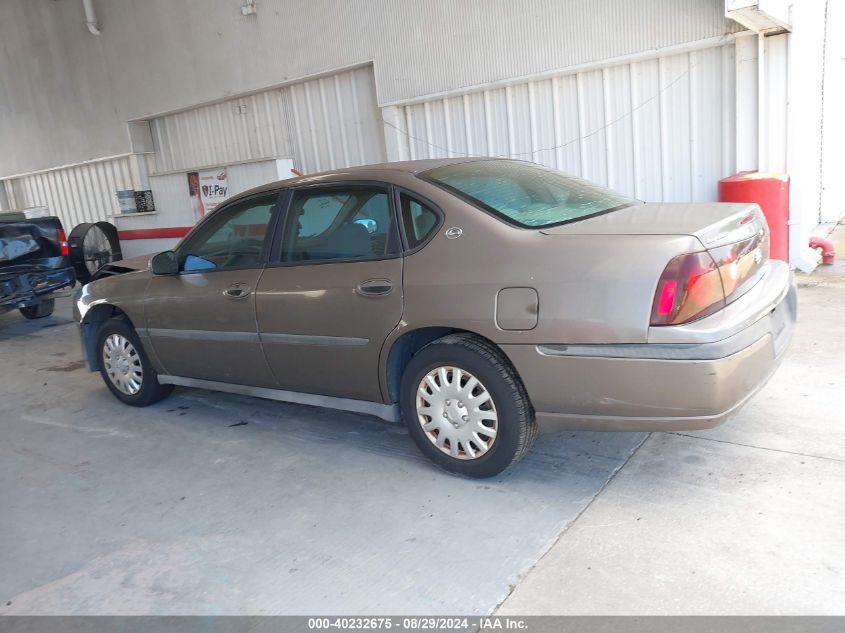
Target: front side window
column 340, row 223
column 232, row 238
column 525, row 194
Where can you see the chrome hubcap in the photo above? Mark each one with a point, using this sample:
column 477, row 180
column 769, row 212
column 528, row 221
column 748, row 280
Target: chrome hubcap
column 456, row 412
column 122, row 363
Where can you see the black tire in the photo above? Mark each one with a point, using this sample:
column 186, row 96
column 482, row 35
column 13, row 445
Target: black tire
column 43, row 309
column 150, row 390
column 517, row 428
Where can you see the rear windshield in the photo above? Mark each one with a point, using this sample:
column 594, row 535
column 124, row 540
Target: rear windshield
column 526, row 194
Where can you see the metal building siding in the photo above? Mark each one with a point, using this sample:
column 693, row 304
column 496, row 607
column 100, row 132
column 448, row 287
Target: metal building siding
column 240, row 129
column 772, row 149
column 336, row 121
column 76, row 194
column 323, row 123
column 161, row 56
column 658, row 129
column 430, row 47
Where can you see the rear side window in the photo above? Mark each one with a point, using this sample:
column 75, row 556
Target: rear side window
column 525, row 194
column 418, row 218
column 341, row 223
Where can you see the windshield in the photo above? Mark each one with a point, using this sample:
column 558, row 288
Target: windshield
column 526, row 194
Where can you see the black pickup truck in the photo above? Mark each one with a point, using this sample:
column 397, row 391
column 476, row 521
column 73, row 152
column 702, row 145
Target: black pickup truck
column 34, row 264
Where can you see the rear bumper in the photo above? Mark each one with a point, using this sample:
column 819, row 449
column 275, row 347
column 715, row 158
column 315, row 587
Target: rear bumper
column 665, row 386
column 28, row 288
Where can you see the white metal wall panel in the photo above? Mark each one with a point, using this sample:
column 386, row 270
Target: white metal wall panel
column 833, row 129
column 240, row 129
column 775, row 85
column 567, row 146
column 746, row 95
column 646, row 130
column 676, row 132
column 712, row 138
column 67, row 95
column 173, row 204
column 592, row 123
column 324, row 123
column 336, row 121
column 416, row 56
column 76, row 194
column 249, row 175
column 616, row 84
column 658, row 129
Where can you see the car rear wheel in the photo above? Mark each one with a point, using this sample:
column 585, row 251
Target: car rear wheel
column 125, row 368
column 466, row 408
column 43, row 309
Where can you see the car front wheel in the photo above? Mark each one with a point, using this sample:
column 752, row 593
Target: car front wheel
column 466, row 408
column 125, row 368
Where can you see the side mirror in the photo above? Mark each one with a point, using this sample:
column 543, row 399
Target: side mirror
column 165, row 263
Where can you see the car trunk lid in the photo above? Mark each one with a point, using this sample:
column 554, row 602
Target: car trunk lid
column 734, row 242
column 714, row 224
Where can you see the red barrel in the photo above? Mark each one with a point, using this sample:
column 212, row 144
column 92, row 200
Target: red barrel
column 771, row 192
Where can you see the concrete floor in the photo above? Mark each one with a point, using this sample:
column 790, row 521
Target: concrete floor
column 747, row 518
column 173, row 510
column 179, row 508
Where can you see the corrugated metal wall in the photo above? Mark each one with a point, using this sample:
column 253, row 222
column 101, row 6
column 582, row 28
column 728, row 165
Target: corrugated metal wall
column 323, row 123
column 658, row 129
column 66, row 95
column 81, row 193
column 418, row 55
column 833, row 130
column 772, row 149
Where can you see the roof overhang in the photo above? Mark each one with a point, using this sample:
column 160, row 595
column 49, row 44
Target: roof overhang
column 767, row 17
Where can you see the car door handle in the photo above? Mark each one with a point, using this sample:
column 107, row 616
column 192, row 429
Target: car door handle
column 237, row 291
column 374, row 287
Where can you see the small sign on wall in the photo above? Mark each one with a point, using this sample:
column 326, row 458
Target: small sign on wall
column 207, row 190
column 144, row 201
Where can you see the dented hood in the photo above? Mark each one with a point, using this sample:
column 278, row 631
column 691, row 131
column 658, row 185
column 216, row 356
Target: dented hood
column 142, row 262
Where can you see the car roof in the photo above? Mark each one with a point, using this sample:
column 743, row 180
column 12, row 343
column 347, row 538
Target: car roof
column 378, row 171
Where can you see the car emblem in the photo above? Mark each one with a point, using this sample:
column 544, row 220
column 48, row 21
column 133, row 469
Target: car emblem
column 454, row 233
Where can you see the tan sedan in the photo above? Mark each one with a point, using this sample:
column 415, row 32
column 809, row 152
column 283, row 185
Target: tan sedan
column 478, row 300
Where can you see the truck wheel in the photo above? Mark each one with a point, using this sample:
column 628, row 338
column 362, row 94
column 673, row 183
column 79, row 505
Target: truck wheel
column 466, row 408
column 43, row 309
column 124, row 365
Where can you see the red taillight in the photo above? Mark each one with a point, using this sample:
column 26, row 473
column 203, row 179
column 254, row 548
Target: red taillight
column 695, row 285
column 739, row 262
column 668, row 290
column 63, row 247
column 689, row 288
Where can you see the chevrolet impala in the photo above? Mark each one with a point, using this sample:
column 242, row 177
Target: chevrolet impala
column 476, row 300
